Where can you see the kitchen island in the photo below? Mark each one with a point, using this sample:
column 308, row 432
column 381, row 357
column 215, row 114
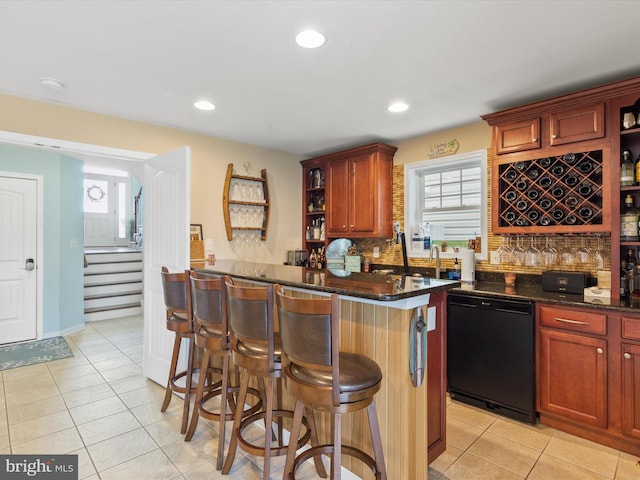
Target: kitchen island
column 381, row 316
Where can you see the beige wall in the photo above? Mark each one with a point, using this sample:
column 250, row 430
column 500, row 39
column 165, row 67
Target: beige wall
column 209, row 159
column 471, row 137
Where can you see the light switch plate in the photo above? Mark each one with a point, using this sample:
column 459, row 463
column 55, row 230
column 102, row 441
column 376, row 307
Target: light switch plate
column 376, row 252
column 208, row 244
column 495, row 258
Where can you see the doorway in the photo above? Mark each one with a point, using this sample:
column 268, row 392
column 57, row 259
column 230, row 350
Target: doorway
column 106, row 210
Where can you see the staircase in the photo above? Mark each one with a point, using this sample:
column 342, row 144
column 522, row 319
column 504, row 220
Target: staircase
column 112, row 283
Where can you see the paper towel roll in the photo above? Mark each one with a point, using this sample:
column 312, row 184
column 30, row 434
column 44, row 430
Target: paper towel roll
column 468, row 269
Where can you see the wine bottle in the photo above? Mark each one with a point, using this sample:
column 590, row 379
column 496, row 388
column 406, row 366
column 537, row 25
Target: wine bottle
column 627, row 170
column 629, row 221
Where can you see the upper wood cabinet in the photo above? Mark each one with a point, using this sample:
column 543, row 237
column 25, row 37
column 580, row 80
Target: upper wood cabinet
column 577, row 124
column 517, row 136
column 359, row 191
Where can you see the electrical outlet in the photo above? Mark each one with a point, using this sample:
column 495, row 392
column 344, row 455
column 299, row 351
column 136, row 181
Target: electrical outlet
column 495, row 258
column 376, row 252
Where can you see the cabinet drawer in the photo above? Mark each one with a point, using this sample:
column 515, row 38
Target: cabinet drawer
column 631, row 328
column 575, row 320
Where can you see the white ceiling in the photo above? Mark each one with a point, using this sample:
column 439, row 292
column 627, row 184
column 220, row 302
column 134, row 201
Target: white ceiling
column 452, row 61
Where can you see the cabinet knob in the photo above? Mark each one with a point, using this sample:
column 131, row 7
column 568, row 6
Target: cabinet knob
column 627, row 356
column 554, row 136
column 344, row 227
column 534, row 139
column 599, row 350
column 351, row 226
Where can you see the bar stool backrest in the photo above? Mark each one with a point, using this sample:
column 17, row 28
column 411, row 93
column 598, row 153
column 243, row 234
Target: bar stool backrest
column 174, row 286
column 251, row 325
column 209, row 307
column 309, row 334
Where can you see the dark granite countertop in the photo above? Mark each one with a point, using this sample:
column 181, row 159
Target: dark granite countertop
column 371, row 286
column 528, row 287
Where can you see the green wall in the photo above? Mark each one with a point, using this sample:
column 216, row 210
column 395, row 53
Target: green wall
column 63, row 233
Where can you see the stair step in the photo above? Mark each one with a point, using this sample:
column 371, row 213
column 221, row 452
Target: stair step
column 111, row 277
column 94, row 268
column 115, row 300
column 94, row 315
column 103, row 257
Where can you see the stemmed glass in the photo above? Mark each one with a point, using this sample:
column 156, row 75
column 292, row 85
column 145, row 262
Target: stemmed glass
column 584, row 252
column 532, row 254
column 549, row 253
column 566, row 253
column 505, row 251
column 518, row 252
column 600, row 254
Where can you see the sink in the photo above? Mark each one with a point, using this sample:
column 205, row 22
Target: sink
column 383, row 271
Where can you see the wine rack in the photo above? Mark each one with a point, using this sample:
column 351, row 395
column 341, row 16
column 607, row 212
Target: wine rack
column 556, row 191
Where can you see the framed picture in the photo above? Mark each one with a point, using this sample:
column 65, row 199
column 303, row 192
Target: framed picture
column 195, row 232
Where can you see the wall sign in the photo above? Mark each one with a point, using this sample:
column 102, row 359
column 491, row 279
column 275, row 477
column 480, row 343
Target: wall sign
column 443, row 149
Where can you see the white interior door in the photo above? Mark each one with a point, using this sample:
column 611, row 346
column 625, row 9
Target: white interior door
column 18, row 259
column 166, row 231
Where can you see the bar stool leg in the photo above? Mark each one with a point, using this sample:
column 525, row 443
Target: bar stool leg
column 223, row 410
column 268, row 431
column 172, row 373
column 199, row 394
column 376, row 441
column 187, row 385
column 336, row 458
column 317, row 460
column 295, row 433
column 233, row 445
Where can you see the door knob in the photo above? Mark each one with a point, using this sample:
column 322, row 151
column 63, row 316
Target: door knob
column 29, row 264
column 627, row 356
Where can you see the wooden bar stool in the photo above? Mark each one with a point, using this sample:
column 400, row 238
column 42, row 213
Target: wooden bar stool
column 209, row 310
column 256, row 350
column 176, row 297
column 321, row 377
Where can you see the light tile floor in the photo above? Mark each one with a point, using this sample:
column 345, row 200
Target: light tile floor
column 98, row 405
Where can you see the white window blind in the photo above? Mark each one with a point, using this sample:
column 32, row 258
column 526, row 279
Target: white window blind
column 450, row 197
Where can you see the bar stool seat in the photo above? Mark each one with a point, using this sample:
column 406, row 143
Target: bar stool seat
column 208, row 308
column 257, row 351
column 321, row 377
column 178, row 320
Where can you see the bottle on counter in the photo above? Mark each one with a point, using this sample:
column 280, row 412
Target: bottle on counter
column 629, row 221
column 426, row 236
column 627, row 170
column 320, row 258
column 456, row 270
column 313, row 259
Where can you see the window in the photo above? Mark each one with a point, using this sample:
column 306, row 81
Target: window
column 446, row 198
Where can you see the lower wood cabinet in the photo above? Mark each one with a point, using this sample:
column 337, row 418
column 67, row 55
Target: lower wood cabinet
column 588, row 373
column 578, row 390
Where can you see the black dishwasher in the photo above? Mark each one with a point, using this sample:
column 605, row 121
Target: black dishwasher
column 491, row 354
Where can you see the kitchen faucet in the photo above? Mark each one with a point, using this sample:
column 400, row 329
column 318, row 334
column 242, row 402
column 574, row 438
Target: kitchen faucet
column 437, row 249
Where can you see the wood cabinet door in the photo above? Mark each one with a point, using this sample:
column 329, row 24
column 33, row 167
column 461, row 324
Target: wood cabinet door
column 362, row 194
column 631, row 390
column 337, row 187
column 573, row 379
column 577, row 125
column 516, row 137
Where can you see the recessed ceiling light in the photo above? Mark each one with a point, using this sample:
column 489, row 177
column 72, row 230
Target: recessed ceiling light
column 52, row 84
column 398, row 107
column 310, row 39
column 204, row 105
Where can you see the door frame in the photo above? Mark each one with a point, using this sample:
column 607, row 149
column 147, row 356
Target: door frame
column 39, row 179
